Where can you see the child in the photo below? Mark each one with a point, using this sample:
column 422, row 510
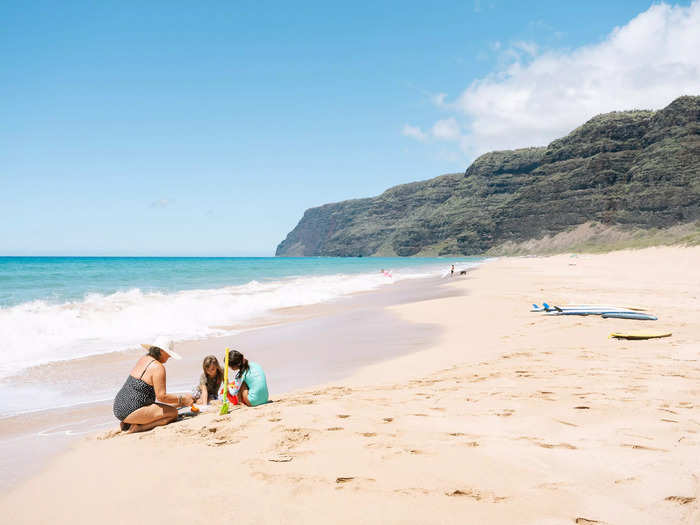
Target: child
column 250, row 376
column 209, row 381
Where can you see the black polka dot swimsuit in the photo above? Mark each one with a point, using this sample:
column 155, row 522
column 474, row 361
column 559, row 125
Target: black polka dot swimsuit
column 135, row 393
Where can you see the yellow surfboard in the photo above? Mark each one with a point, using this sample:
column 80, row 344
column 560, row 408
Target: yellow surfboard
column 640, row 335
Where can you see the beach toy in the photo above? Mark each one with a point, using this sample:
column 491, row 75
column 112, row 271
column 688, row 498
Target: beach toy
column 640, row 335
column 224, row 406
column 194, row 409
column 232, row 394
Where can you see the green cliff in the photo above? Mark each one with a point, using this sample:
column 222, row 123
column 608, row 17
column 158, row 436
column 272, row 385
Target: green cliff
column 629, row 171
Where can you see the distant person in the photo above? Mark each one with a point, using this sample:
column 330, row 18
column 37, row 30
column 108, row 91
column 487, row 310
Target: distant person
column 135, row 405
column 209, row 382
column 253, row 391
column 452, row 270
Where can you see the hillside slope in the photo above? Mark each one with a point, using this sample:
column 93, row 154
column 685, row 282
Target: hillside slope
column 631, row 169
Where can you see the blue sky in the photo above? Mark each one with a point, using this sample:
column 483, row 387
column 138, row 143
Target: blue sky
column 171, row 128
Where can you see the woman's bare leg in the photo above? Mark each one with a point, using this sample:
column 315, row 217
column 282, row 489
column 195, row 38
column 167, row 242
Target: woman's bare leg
column 148, row 417
column 148, row 426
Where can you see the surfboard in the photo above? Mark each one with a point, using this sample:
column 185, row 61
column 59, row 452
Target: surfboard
column 602, row 312
column 639, row 335
column 629, row 315
column 587, row 307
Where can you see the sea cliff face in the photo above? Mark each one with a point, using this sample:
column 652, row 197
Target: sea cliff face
column 631, row 169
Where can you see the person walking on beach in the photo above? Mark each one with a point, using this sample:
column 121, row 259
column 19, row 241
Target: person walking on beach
column 452, row 270
column 135, row 405
column 253, row 391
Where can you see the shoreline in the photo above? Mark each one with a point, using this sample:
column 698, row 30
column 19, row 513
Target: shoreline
column 506, row 417
column 30, row 439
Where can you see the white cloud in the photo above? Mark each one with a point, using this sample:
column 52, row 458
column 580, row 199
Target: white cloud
column 439, row 99
column 529, row 48
column 446, row 129
column 160, row 203
column 414, row 132
column 540, row 95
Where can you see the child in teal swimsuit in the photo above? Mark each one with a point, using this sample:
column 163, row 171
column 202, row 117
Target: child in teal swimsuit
column 253, row 391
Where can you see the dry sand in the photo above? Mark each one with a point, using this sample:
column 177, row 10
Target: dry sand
column 509, row 417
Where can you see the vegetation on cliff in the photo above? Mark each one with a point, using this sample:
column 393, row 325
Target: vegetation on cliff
column 630, row 171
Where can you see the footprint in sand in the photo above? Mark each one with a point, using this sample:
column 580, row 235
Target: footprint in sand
column 557, row 445
column 475, row 494
column 626, row 480
column 343, row 416
column 353, row 483
column 281, row 458
column 344, row 479
column 368, row 434
column 412, row 491
column 682, row 500
column 293, row 437
column 388, row 419
column 334, row 428
column 642, row 447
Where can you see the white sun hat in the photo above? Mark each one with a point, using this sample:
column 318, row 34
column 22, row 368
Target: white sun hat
column 165, row 344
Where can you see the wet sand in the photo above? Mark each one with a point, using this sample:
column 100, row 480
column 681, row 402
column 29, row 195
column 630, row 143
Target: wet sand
column 298, row 347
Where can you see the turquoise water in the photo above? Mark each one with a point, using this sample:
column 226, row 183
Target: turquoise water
column 60, row 308
column 59, row 279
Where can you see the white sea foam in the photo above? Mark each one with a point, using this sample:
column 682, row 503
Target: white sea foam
column 38, row 332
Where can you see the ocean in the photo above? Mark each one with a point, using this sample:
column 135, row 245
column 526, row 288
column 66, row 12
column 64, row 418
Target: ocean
column 64, row 308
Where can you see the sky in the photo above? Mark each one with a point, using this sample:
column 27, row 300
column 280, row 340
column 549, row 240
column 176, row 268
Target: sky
column 208, row 128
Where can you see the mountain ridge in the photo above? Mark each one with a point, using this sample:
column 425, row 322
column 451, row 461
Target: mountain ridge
column 635, row 169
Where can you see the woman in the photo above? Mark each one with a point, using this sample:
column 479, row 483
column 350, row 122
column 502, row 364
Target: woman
column 135, row 405
column 253, row 391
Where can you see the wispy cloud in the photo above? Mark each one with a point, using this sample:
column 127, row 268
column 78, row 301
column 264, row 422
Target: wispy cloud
column 446, row 129
column 414, row 132
column 161, row 203
column 537, row 95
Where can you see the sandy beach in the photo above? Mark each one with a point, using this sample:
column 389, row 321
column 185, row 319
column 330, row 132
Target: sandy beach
column 504, row 416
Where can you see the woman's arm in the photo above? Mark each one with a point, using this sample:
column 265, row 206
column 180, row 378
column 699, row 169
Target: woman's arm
column 204, row 398
column 158, row 376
